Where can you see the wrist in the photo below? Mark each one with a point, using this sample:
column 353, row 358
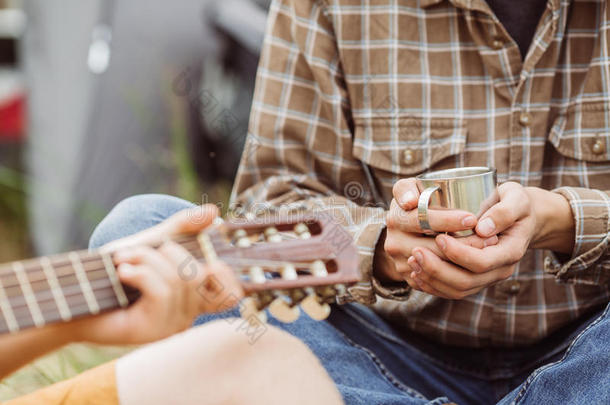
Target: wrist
column 384, row 269
column 554, row 221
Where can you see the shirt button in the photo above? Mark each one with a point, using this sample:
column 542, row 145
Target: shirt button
column 599, row 147
column 408, row 157
column 514, row 287
column 497, row 44
column 525, row 119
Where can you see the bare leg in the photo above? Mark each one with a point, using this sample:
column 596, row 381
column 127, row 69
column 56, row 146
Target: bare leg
column 215, row 364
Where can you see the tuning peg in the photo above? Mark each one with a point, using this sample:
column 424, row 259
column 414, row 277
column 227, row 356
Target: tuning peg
column 281, row 310
column 241, row 238
column 289, row 272
column 312, row 306
column 340, row 289
column 318, row 269
column 257, row 274
column 250, row 310
column 272, row 235
column 296, row 296
column 302, row 231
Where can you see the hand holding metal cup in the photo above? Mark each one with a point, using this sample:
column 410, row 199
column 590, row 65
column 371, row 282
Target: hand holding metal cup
column 472, row 189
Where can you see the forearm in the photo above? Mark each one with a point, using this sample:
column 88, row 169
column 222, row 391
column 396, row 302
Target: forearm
column 555, row 226
column 19, row 349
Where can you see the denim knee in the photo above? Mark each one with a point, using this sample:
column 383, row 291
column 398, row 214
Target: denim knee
column 134, row 214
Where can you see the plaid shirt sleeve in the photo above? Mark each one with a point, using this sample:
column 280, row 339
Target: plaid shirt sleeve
column 298, row 153
column 590, row 260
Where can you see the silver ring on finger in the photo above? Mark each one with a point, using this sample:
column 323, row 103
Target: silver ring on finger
column 422, row 210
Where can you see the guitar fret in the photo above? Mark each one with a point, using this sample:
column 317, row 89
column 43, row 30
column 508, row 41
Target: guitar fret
column 28, row 294
column 58, row 295
column 83, row 281
column 114, row 280
column 7, row 311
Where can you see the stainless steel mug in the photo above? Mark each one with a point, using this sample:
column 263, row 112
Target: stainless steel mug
column 472, row 189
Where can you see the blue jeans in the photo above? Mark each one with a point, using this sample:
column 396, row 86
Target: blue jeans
column 373, row 363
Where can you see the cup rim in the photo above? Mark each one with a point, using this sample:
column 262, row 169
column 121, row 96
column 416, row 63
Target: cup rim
column 484, row 170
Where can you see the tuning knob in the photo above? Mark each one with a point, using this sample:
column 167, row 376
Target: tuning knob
column 257, row 274
column 289, row 272
column 318, row 269
column 272, row 235
column 302, row 231
column 249, row 309
column 281, row 310
column 241, row 239
column 312, row 306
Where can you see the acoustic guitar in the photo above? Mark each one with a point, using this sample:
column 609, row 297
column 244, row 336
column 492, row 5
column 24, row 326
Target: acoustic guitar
column 283, row 263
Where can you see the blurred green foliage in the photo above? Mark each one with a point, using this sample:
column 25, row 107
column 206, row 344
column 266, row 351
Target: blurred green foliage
column 15, row 243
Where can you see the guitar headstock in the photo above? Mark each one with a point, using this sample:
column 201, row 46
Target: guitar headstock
column 284, row 262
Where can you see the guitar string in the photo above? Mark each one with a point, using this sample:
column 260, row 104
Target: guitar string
column 51, row 314
column 75, row 290
column 98, row 261
column 95, row 259
column 44, row 295
column 76, row 299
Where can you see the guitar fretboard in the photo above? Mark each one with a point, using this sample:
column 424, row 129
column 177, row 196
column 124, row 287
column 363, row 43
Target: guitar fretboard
column 63, row 287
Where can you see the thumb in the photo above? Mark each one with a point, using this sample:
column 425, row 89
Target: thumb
column 192, row 220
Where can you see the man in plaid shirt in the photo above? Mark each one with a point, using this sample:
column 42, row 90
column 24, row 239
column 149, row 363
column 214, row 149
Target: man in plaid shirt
column 355, row 98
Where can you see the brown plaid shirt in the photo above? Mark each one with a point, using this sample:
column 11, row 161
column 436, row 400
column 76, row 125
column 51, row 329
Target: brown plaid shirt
column 401, row 87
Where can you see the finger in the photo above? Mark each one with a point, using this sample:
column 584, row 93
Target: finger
column 457, row 278
column 400, row 244
column 191, row 220
column 422, row 284
column 147, row 256
column 506, row 252
column 149, row 283
column 405, row 192
column 148, row 237
column 221, row 289
column 215, row 283
column 513, row 205
column 474, row 241
column 441, row 284
column 440, row 220
column 186, row 267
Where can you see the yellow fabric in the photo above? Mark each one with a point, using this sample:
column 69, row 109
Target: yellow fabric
column 93, row 387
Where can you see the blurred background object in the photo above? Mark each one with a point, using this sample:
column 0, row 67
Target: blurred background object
column 14, row 240
column 130, row 97
column 103, row 99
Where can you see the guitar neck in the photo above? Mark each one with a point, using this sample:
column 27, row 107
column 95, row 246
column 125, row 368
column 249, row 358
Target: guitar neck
column 63, row 287
column 280, row 262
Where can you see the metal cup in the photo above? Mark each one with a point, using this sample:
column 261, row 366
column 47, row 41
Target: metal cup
column 472, row 189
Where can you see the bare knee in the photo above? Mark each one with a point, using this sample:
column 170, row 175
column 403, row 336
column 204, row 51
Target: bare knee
column 213, row 359
column 234, row 338
column 265, row 359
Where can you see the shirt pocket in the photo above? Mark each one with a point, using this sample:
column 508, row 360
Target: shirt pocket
column 583, row 133
column 411, row 148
